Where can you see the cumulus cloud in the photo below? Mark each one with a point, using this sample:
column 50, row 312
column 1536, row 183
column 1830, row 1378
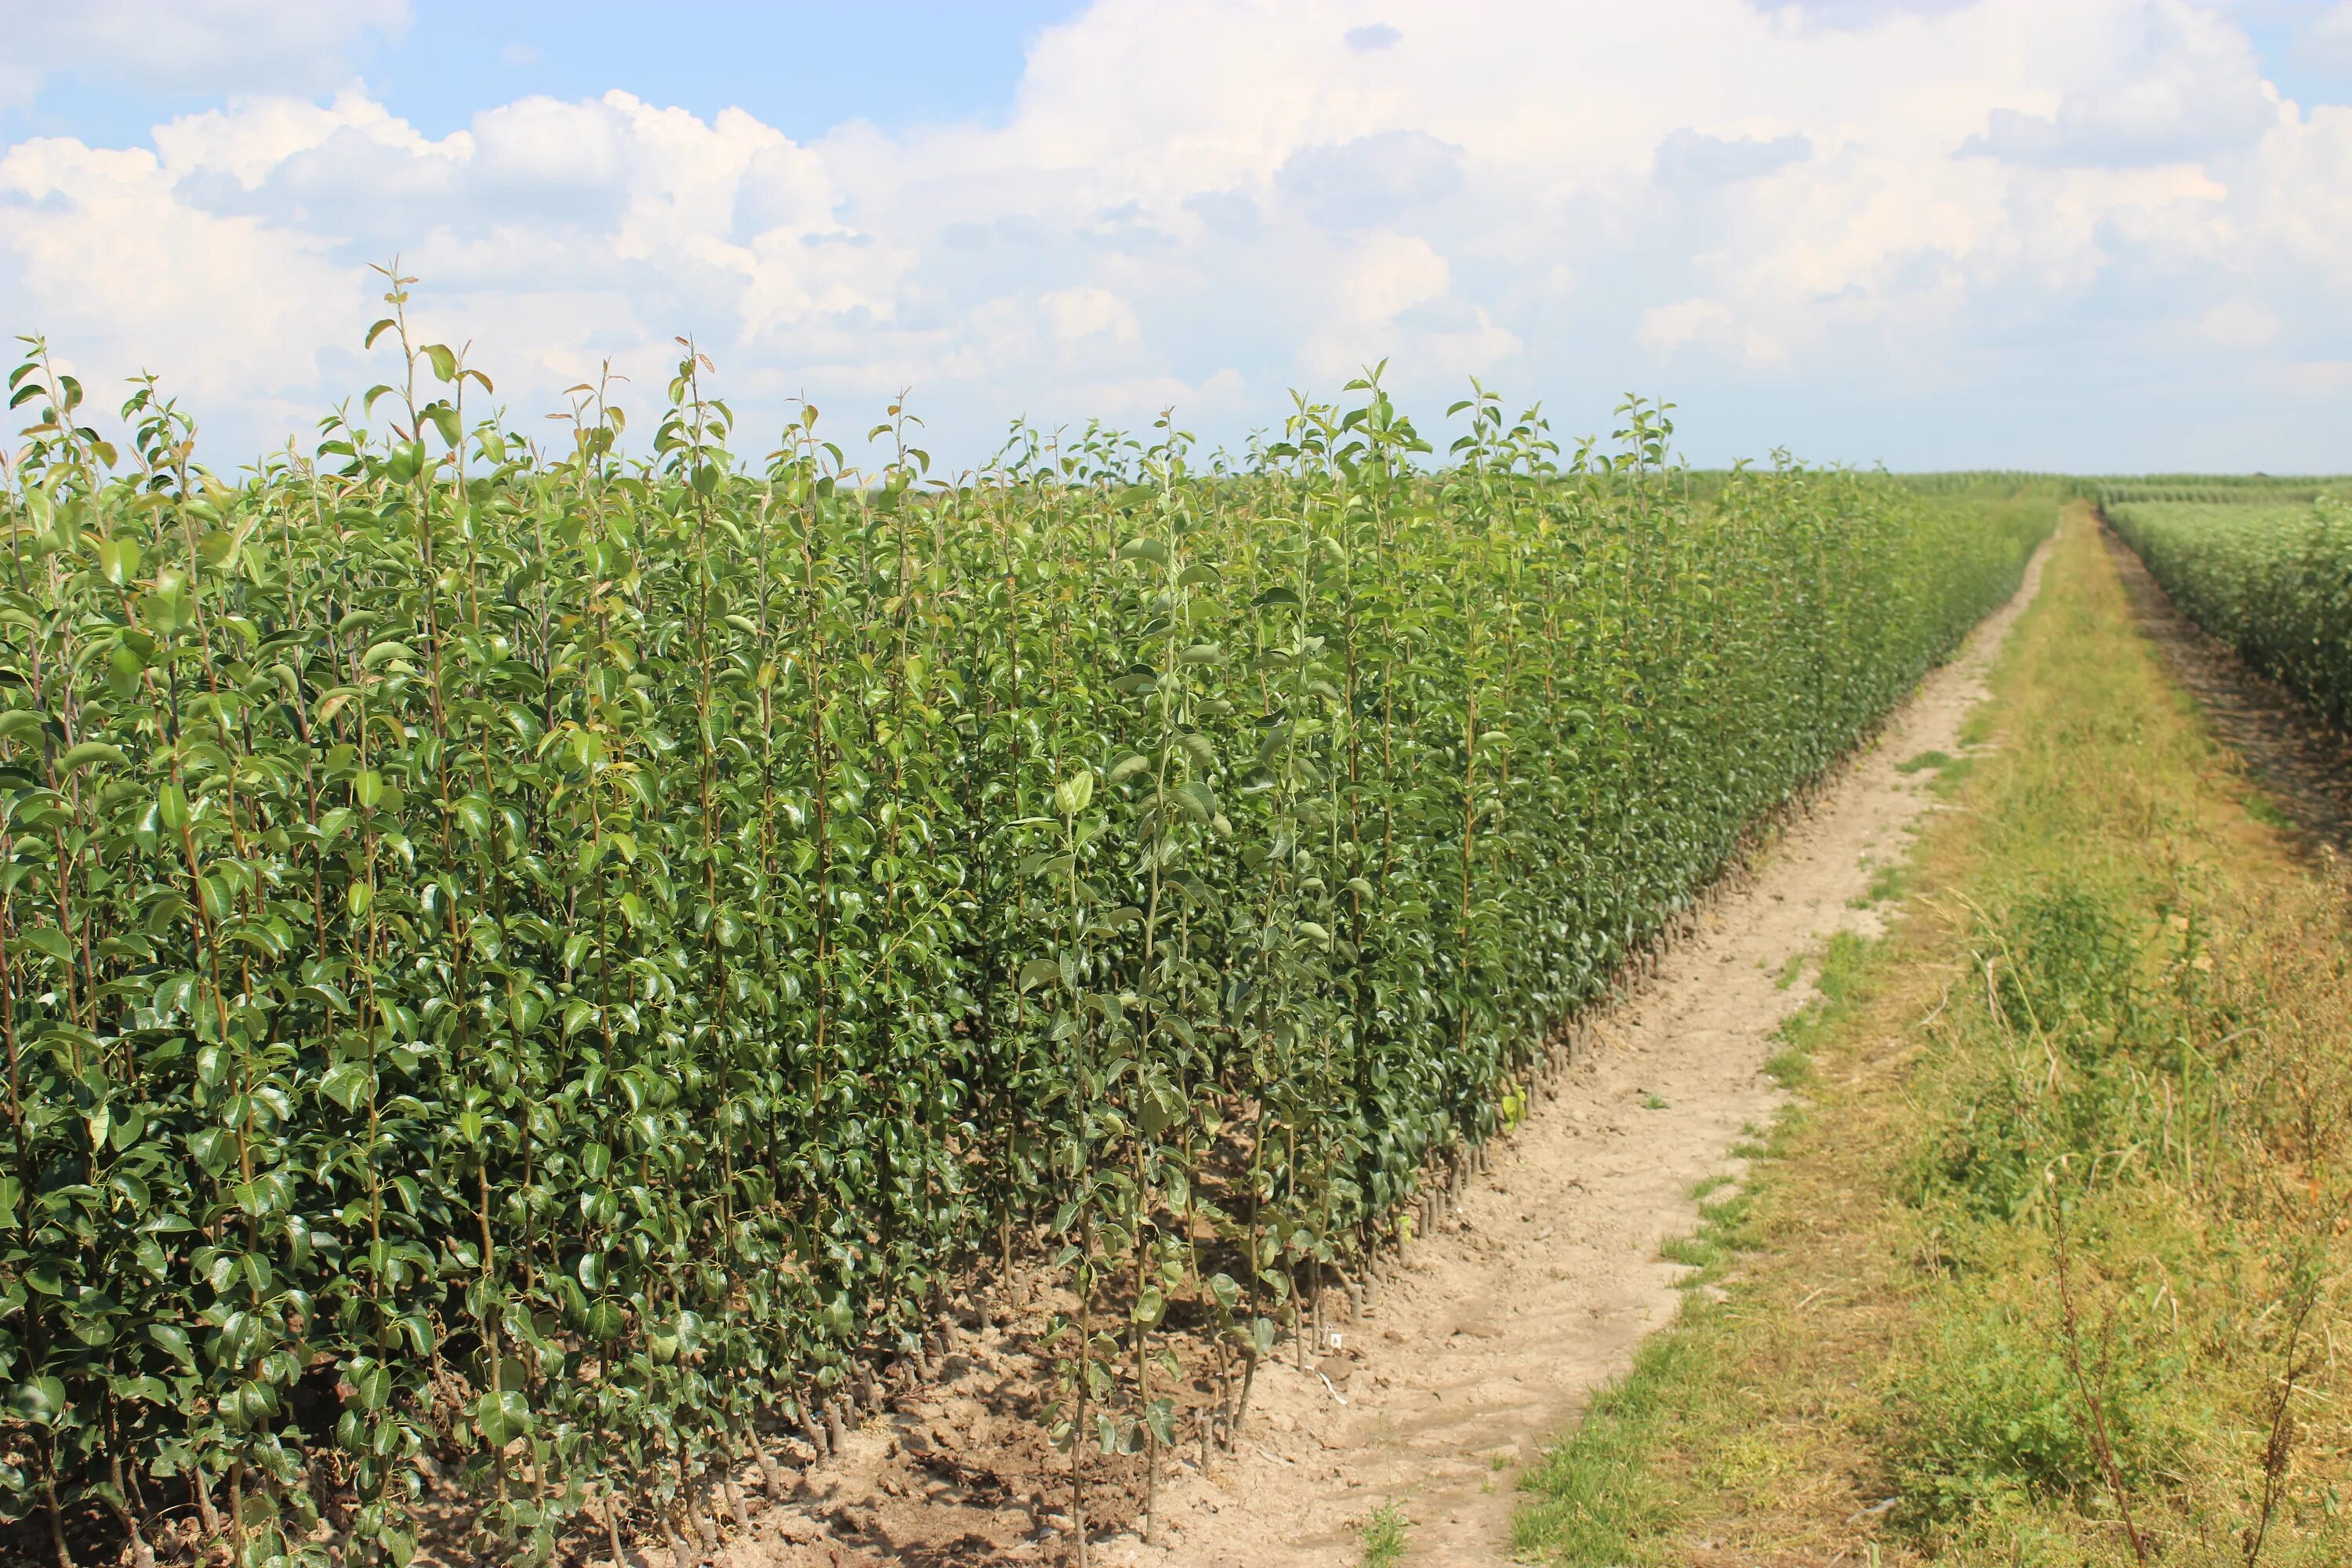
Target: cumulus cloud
column 1852, row 14
column 2182, row 85
column 1200, row 202
column 97, row 245
column 1231, row 214
column 1693, row 158
column 190, row 47
column 1372, row 181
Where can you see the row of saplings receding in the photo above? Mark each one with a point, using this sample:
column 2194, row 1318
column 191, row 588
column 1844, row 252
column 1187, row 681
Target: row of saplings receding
column 535, row 971
column 2266, row 567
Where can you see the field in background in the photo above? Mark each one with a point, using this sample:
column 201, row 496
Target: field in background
column 2266, row 568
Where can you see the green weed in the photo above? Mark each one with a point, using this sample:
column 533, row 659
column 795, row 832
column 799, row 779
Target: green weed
column 1385, row 1536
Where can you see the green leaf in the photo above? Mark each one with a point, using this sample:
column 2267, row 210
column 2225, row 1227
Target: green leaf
column 47, row 940
column 347, row 1083
column 502, row 1416
column 42, row 1400
column 88, row 751
column 117, row 560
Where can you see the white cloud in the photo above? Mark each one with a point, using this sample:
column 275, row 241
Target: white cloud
column 1370, row 182
column 189, row 46
column 1851, row 15
column 1078, row 314
column 1683, row 323
column 2239, row 324
column 254, row 138
column 1691, row 157
column 1203, row 202
column 128, row 277
column 2326, row 38
column 1389, row 275
column 2179, row 86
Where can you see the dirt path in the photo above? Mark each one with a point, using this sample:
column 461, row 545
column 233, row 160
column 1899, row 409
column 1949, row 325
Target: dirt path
column 2305, row 767
column 1537, row 1289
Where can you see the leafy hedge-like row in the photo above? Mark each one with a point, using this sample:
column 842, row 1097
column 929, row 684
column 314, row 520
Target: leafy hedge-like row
column 546, row 960
column 2274, row 581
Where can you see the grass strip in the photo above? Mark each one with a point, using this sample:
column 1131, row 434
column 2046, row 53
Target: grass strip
column 2046, row 1264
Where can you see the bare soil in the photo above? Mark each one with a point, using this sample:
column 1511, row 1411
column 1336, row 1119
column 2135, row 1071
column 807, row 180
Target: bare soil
column 2306, row 766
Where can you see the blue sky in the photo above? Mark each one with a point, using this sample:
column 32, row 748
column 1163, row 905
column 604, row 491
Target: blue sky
column 802, row 68
column 2096, row 235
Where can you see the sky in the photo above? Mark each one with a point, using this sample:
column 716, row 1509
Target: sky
column 2090, row 235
